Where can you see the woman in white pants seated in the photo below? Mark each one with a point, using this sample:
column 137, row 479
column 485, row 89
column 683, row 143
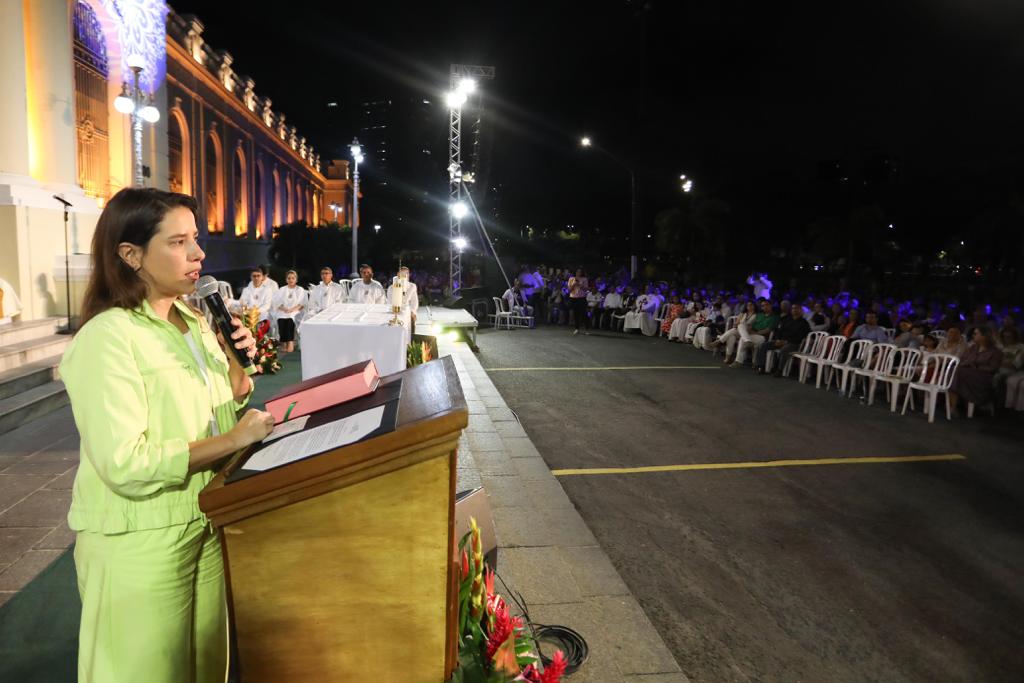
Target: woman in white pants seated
column 730, row 337
column 642, row 318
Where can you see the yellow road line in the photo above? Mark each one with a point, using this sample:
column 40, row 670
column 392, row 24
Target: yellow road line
column 758, row 463
column 614, row 367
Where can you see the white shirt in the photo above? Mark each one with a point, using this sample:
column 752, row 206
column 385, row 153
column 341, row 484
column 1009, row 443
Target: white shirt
column 612, row 301
column 410, row 296
column 762, row 286
column 324, row 296
column 261, row 297
column 530, row 283
column 362, row 293
column 273, row 284
column 594, row 299
column 9, row 305
column 289, row 297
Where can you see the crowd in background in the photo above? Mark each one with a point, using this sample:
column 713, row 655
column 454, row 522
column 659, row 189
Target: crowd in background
column 753, row 319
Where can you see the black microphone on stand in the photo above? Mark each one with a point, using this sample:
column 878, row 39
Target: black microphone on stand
column 67, row 264
column 208, row 288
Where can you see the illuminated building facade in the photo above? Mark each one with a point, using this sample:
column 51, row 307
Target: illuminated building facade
column 62, row 64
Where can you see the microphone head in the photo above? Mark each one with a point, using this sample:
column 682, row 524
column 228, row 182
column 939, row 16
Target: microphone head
column 207, row 285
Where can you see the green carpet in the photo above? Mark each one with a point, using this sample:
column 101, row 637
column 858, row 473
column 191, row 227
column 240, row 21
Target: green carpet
column 39, row 625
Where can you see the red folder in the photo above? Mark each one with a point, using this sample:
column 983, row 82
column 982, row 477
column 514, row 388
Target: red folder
column 324, row 391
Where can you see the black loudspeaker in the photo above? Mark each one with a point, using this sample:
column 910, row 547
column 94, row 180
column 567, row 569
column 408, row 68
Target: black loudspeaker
column 454, row 301
column 474, row 504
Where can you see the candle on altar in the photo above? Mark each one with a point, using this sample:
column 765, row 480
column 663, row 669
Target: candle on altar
column 396, row 294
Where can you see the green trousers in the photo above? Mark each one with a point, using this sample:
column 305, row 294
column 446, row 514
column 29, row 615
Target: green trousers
column 153, row 606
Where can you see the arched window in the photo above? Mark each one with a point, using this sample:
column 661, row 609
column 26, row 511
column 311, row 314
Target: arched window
column 91, row 72
column 213, row 185
column 179, row 152
column 261, row 217
column 240, row 193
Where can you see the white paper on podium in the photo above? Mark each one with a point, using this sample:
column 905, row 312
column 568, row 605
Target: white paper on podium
column 317, row 440
column 286, row 428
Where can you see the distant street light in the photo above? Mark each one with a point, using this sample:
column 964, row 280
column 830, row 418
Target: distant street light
column 376, row 227
column 634, row 213
column 335, row 208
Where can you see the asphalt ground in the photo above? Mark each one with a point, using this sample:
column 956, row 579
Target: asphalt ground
column 858, row 571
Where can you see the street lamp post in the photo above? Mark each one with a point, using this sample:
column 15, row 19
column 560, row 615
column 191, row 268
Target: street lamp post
column 335, row 208
column 634, row 207
column 357, row 157
column 140, row 106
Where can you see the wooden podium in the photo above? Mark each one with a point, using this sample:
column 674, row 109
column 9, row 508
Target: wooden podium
column 341, row 567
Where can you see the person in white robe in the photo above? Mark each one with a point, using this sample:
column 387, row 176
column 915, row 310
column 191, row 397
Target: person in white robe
column 288, row 305
column 326, row 293
column 257, row 294
column 367, row 290
column 410, row 293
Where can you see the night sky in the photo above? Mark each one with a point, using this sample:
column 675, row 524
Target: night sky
column 749, row 99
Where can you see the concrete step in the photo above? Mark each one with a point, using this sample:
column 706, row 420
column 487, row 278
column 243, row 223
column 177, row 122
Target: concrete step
column 28, row 405
column 28, row 376
column 15, row 332
column 24, row 352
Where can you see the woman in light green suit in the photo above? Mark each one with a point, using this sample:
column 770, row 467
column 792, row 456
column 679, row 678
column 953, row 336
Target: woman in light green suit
column 156, row 400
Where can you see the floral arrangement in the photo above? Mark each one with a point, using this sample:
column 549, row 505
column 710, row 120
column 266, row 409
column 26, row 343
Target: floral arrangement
column 266, row 361
column 417, row 353
column 494, row 646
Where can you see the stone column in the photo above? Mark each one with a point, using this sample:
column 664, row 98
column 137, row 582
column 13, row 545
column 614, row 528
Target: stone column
column 14, row 104
column 51, row 91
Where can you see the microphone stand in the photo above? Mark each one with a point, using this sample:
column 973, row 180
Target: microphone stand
column 67, row 266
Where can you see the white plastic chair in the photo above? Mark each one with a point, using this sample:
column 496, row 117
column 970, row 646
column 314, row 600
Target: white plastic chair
column 225, row 291
column 621, row 318
column 902, row 367
column 936, row 378
column 500, row 314
column 660, row 316
column 814, row 343
column 858, row 351
column 939, row 335
column 876, row 360
column 890, row 333
column 831, row 352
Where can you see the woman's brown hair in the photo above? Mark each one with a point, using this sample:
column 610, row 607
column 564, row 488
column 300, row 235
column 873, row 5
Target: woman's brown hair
column 133, row 215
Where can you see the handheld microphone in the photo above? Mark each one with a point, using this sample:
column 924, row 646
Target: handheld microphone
column 207, row 287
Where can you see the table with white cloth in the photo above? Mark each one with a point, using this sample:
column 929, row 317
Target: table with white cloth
column 346, row 334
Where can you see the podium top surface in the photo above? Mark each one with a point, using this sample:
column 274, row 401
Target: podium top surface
column 432, row 409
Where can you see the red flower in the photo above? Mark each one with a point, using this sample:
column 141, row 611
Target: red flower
column 465, row 565
column 505, row 626
column 554, row 671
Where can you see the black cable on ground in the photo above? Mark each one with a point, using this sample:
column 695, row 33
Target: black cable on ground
column 571, row 643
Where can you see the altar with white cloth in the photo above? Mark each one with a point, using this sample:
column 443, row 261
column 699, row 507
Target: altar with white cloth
column 345, row 334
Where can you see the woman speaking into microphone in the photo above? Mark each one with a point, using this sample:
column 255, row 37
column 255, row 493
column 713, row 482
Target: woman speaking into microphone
column 155, row 399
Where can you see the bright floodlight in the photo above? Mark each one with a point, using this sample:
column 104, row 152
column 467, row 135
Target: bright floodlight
column 135, row 61
column 586, row 142
column 456, row 99
column 436, row 329
column 376, row 227
column 687, row 186
column 459, row 210
column 150, row 114
column 467, row 85
column 682, row 177
column 460, row 243
column 359, row 158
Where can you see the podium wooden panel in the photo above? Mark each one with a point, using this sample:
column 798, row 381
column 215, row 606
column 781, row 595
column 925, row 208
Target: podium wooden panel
column 341, row 567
